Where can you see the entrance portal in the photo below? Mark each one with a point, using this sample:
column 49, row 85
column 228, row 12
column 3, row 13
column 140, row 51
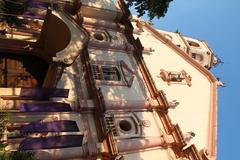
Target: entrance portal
column 22, row 71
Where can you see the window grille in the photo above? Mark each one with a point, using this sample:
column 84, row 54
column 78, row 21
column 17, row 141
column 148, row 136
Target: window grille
column 112, row 73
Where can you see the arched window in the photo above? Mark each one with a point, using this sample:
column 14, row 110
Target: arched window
column 197, row 56
column 194, row 44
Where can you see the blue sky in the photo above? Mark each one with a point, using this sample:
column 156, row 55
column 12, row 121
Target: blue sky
column 217, row 22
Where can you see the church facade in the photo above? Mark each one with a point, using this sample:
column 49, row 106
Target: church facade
column 87, row 80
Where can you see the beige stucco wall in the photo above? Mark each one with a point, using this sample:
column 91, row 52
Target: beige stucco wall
column 156, row 128
column 193, row 112
column 175, row 38
column 153, row 154
column 148, row 142
column 180, row 41
column 100, row 9
column 102, row 4
column 74, row 80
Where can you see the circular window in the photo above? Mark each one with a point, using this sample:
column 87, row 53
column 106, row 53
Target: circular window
column 98, row 36
column 125, row 125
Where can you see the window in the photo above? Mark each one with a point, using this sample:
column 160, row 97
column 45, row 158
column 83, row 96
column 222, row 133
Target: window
column 197, row 56
column 112, row 73
column 108, row 73
column 194, row 44
column 110, row 123
column 125, row 126
column 100, row 36
column 172, row 77
column 194, row 55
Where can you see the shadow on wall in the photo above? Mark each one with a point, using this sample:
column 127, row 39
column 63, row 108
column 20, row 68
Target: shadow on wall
column 134, row 95
column 108, row 4
column 69, row 80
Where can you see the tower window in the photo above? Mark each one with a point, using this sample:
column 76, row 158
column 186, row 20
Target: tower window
column 197, row 56
column 194, row 55
column 194, row 44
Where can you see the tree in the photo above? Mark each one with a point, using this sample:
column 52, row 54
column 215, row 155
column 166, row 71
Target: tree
column 4, row 119
column 154, row 8
column 14, row 155
column 17, row 155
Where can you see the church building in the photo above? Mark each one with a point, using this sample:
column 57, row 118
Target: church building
column 86, row 80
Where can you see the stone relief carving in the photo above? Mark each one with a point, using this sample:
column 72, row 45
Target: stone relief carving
column 173, row 77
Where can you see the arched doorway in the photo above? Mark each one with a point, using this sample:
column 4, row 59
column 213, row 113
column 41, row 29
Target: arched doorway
column 22, row 71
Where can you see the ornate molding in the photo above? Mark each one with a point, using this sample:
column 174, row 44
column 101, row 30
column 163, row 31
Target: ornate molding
column 173, row 77
column 77, row 41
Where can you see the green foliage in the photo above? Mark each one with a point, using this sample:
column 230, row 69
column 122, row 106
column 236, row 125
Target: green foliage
column 154, row 8
column 9, row 8
column 17, row 155
column 4, row 118
column 2, row 146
